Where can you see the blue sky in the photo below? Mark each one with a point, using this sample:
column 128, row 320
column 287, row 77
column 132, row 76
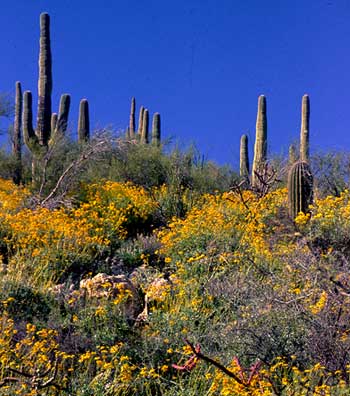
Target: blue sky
column 201, row 63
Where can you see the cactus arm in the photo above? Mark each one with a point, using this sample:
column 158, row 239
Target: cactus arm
column 30, row 138
column 62, row 118
column 54, row 118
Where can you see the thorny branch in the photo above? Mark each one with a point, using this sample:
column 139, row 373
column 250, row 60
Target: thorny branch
column 35, row 381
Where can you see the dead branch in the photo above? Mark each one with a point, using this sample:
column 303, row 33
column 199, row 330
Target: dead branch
column 64, row 181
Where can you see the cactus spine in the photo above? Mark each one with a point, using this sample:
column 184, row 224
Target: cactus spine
column 156, row 130
column 16, row 138
column 132, row 119
column 244, row 158
column 260, row 147
column 300, row 188
column 304, row 131
column 83, row 122
column 144, row 131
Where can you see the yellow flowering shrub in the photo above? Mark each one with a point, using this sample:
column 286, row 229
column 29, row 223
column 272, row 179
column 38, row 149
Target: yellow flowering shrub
column 31, row 357
column 51, row 239
column 232, row 225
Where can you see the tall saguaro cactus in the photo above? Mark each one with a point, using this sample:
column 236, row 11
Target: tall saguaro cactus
column 304, row 131
column 48, row 126
column 132, row 119
column 244, row 158
column 260, row 147
column 45, row 82
column 16, row 138
column 300, row 188
column 156, row 130
column 145, row 126
column 83, row 122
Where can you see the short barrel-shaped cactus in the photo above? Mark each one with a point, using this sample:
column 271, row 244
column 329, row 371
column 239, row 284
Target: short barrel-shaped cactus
column 300, row 188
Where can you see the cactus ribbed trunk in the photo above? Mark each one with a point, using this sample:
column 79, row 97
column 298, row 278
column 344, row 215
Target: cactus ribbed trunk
column 45, row 82
column 145, row 124
column 62, row 119
column 139, row 130
column 127, row 133
column 156, row 130
column 83, row 122
column 300, row 188
column 260, row 147
column 244, row 158
column 17, row 133
column 304, row 131
column 132, row 119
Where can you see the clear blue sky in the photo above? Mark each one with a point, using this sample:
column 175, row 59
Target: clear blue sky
column 200, row 63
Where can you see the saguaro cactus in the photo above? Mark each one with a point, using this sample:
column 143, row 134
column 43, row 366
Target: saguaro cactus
column 16, row 138
column 300, row 188
column 45, row 82
column 260, row 147
column 83, row 122
column 132, row 119
column 304, row 131
column 156, row 129
column 145, row 124
column 39, row 140
column 244, row 158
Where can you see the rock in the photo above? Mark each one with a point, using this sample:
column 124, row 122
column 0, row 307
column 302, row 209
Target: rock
column 114, row 287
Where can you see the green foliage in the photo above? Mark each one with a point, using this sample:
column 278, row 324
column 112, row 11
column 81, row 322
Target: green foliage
column 331, row 171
